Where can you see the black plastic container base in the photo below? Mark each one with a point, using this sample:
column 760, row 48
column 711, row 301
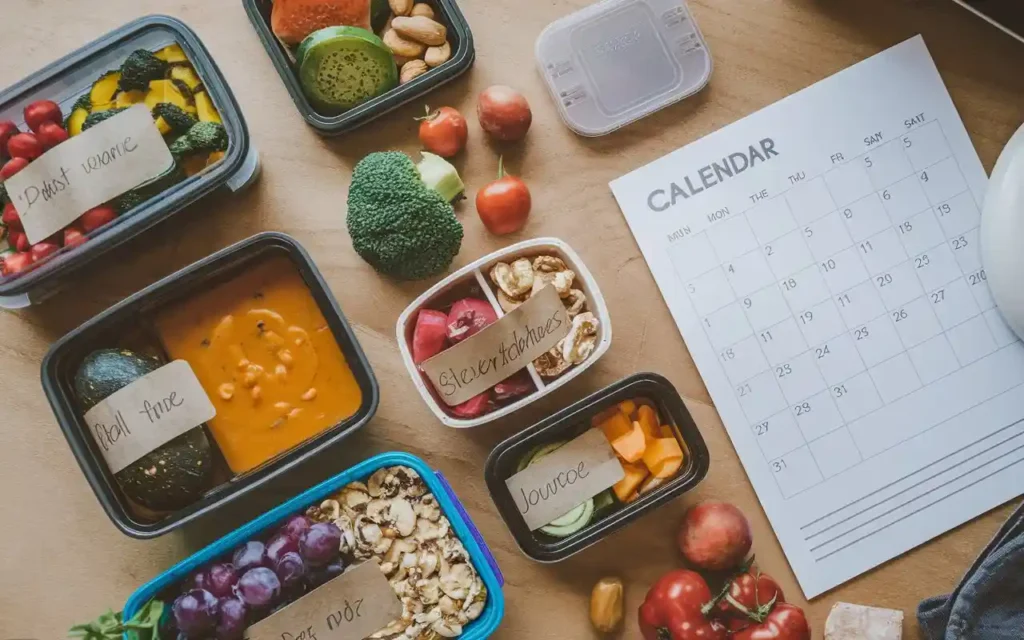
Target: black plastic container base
column 106, row 329
column 463, row 55
column 573, row 421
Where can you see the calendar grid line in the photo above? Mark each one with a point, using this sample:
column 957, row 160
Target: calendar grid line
column 945, row 139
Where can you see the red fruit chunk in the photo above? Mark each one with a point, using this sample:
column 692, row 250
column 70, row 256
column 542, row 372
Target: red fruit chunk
column 40, row 112
column 7, row 129
column 16, row 263
column 475, row 406
column 95, row 218
column 10, row 217
column 51, row 134
column 715, row 536
column 516, row 385
column 73, row 237
column 24, row 145
column 429, row 338
column 18, row 240
column 13, row 166
column 43, row 249
column 467, row 317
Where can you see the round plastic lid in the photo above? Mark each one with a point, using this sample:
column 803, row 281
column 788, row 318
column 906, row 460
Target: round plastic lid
column 617, row 61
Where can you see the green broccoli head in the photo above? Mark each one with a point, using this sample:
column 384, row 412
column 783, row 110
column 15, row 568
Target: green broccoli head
column 177, row 118
column 202, row 137
column 139, row 68
column 94, row 119
column 400, row 217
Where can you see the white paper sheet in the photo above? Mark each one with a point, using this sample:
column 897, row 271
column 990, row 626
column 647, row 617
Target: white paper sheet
column 821, row 261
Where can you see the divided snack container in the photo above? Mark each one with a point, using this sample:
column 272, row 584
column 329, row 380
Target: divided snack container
column 108, row 330
column 573, row 421
column 479, row 554
column 476, row 276
column 463, row 54
column 64, row 81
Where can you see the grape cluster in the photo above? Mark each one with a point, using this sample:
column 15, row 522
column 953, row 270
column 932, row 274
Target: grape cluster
column 221, row 600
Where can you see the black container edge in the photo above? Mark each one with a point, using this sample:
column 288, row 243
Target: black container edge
column 659, row 388
column 93, row 467
column 462, row 59
column 172, row 200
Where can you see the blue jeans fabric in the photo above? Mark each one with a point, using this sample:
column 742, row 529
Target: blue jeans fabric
column 988, row 604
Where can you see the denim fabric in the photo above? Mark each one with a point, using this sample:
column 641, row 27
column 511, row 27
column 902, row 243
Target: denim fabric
column 988, row 604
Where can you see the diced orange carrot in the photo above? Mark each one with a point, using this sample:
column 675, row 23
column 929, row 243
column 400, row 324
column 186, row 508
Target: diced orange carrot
column 660, row 451
column 631, row 446
column 667, row 431
column 635, row 475
column 636, row 494
column 648, row 419
column 650, row 484
column 668, row 468
column 628, row 407
column 615, row 426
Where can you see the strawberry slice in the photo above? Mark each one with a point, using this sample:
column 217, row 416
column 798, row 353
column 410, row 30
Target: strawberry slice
column 475, row 406
column 467, row 317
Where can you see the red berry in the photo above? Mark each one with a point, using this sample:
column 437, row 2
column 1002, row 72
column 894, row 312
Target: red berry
column 43, row 249
column 7, row 129
column 42, row 111
column 51, row 134
column 10, row 216
column 95, row 218
column 19, row 240
column 73, row 237
column 13, row 166
column 24, row 145
column 16, row 263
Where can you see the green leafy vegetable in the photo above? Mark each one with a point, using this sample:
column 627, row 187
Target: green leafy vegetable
column 144, row 625
column 139, row 68
column 202, row 137
column 177, row 118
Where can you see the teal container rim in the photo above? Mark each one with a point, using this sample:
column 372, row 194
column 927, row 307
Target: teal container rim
column 477, row 548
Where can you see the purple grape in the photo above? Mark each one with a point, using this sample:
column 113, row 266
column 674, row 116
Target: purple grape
column 291, row 570
column 196, row 612
column 232, row 619
column 319, row 575
column 249, row 555
column 280, row 545
column 221, row 579
column 259, row 587
column 321, row 543
column 197, row 580
column 295, row 526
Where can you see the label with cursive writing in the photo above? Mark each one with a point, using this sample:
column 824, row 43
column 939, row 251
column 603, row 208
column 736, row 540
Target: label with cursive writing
column 500, row 349
column 108, row 159
column 564, row 479
column 353, row 606
column 147, row 413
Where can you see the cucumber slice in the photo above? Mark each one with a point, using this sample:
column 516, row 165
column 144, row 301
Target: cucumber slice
column 567, row 530
column 537, row 453
column 571, row 517
column 340, row 67
column 604, row 501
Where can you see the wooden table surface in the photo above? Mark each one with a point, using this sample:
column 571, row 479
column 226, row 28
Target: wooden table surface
column 62, row 561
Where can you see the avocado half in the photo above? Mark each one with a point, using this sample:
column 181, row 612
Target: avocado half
column 340, row 67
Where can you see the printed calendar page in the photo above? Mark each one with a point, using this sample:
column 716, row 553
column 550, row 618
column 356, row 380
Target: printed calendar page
column 821, row 260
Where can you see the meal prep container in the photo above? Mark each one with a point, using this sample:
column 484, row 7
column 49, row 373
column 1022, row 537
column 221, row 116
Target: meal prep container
column 589, row 61
column 477, row 273
column 575, row 420
column 463, row 55
column 480, row 555
column 105, row 330
column 68, row 78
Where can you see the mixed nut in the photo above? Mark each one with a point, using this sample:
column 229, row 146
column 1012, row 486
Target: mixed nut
column 418, row 41
column 395, row 520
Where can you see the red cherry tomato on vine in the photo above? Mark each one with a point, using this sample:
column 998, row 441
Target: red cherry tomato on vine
column 443, row 131
column 785, row 622
column 750, row 592
column 42, row 111
column 51, row 134
column 504, row 205
column 24, row 145
column 673, row 609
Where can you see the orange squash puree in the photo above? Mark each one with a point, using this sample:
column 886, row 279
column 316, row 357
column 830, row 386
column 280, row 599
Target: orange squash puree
column 264, row 354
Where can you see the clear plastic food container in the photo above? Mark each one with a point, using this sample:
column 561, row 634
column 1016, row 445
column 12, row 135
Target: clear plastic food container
column 475, row 278
column 617, row 61
column 194, row 74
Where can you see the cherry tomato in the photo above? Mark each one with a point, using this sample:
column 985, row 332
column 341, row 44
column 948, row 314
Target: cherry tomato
column 16, row 263
column 95, row 218
column 13, row 166
column 444, row 131
column 785, row 622
column 504, row 205
column 672, row 609
column 51, row 134
column 74, row 237
column 42, row 111
column 750, row 592
column 43, row 249
column 504, row 113
column 7, row 129
column 10, row 217
column 18, row 240
column 24, row 145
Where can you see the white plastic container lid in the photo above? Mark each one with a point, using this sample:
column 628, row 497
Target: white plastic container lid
column 617, row 61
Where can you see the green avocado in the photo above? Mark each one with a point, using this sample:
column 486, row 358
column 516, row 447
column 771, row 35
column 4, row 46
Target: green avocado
column 171, row 476
column 340, row 67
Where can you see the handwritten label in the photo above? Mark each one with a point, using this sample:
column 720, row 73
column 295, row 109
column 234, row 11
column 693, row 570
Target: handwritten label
column 147, row 413
column 564, row 479
column 499, row 350
column 353, row 606
column 88, row 170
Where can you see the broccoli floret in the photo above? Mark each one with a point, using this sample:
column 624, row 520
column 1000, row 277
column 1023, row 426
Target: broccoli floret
column 139, row 68
column 400, row 217
column 94, row 119
column 177, row 118
column 84, row 102
column 128, row 201
column 202, row 137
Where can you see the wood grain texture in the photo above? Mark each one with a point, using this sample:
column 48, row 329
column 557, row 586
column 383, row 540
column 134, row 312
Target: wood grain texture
column 63, row 562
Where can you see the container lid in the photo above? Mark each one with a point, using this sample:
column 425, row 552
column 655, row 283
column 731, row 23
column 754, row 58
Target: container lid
column 617, row 61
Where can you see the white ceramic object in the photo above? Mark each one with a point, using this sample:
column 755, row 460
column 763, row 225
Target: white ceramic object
column 1002, row 233
column 477, row 273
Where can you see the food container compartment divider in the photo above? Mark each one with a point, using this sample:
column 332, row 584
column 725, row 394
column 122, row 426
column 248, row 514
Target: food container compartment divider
column 451, row 507
column 481, row 278
column 103, row 330
column 462, row 57
column 67, row 78
column 573, row 421
column 479, row 268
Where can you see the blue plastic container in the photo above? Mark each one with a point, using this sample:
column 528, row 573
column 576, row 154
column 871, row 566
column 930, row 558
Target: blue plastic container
column 452, row 508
